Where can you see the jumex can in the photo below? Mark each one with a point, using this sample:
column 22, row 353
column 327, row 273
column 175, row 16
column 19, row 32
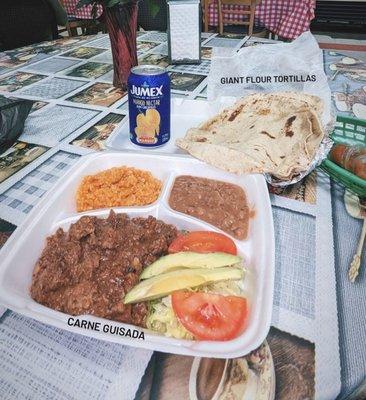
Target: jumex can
column 149, row 105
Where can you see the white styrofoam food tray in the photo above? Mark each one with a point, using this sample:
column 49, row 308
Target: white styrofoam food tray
column 185, row 114
column 57, row 209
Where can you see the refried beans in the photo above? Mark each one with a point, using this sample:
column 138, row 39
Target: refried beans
column 221, row 204
column 90, row 268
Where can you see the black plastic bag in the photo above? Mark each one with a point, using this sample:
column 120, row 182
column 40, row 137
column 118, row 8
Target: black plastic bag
column 13, row 113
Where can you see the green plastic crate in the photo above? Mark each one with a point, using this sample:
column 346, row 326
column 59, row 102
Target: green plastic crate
column 350, row 131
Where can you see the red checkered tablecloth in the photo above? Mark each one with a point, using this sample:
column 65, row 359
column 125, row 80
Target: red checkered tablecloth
column 285, row 18
column 81, row 13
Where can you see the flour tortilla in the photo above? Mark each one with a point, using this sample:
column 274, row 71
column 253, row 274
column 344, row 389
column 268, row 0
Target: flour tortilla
column 277, row 134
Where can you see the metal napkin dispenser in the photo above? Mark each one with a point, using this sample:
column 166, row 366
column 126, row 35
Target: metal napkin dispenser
column 184, row 31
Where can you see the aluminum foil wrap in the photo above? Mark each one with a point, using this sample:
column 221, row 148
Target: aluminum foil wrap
column 322, row 153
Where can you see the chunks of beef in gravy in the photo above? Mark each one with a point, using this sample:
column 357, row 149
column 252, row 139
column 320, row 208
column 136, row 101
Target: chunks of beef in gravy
column 90, row 268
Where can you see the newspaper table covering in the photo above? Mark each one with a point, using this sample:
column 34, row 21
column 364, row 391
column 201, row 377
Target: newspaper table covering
column 76, row 110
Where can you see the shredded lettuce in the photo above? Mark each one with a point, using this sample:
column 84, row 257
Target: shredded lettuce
column 161, row 317
column 225, row 288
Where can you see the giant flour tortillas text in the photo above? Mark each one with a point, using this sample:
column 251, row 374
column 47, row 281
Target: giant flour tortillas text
column 271, row 68
column 276, row 133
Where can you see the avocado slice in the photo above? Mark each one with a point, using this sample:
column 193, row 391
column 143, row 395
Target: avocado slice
column 189, row 259
column 162, row 285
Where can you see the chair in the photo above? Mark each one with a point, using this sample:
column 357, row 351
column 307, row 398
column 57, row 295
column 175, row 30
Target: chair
column 87, row 26
column 250, row 10
column 73, row 24
column 24, row 22
column 205, row 7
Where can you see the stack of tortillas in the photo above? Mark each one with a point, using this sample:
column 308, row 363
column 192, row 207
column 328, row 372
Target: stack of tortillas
column 276, row 133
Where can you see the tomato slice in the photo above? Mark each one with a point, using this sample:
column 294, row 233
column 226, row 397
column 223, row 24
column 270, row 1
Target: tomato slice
column 203, row 242
column 211, row 316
